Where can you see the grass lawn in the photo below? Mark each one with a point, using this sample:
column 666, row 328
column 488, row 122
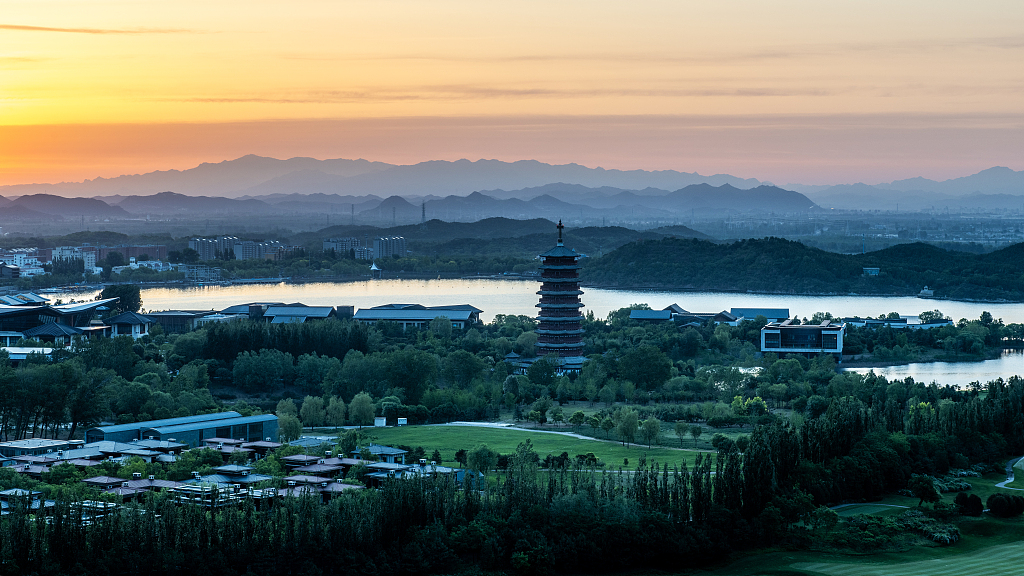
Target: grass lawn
column 988, row 546
column 667, row 437
column 449, row 439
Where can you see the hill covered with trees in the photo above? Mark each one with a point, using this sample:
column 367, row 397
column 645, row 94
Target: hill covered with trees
column 782, row 266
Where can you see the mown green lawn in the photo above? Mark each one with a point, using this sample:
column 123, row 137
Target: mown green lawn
column 449, row 439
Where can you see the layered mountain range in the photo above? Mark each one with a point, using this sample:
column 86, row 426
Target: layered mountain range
column 376, row 192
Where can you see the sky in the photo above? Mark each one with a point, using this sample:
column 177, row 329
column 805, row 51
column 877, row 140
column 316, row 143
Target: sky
column 782, row 90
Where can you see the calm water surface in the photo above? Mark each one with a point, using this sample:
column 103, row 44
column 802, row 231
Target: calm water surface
column 1011, row 363
column 519, row 297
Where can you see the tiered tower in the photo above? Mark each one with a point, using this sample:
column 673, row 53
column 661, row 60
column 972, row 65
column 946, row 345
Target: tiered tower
column 559, row 330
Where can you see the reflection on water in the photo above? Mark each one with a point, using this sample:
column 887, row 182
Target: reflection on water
column 519, row 297
column 1011, row 363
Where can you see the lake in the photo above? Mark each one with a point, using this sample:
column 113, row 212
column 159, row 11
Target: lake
column 519, row 297
column 1010, row 363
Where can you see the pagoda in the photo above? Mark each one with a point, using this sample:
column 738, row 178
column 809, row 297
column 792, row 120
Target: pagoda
column 559, row 330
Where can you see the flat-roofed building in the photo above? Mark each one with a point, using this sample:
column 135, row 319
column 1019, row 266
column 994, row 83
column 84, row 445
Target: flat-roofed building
column 806, row 339
column 772, row 314
column 179, row 321
column 298, row 313
column 36, row 446
column 419, row 316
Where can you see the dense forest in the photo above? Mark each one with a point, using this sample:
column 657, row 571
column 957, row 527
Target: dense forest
column 866, row 440
column 783, row 266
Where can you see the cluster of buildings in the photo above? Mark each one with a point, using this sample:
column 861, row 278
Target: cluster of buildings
column 228, row 433
column 27, row 262
column 232, row 248
column 406, row 315
column 385, row 247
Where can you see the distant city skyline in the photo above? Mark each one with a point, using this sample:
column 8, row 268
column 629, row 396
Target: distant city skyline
column 788, row 92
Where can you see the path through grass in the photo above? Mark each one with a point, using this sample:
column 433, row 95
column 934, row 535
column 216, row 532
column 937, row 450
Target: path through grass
column 449, row 439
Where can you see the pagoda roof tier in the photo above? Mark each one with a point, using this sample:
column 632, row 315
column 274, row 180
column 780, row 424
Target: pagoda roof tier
column 543, row 305
column 540, row 331
column 562, row 319
column 559, row 346
column 559, row 267
column 559, row 292
column 561, row 252
column 559, row 280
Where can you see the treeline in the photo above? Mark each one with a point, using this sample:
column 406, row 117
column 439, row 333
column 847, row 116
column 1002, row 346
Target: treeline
column 438, row 374
column 783, row 266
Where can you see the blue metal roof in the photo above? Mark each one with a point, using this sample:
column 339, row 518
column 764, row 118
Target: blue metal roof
column 170, row 429
column 751, row 313
column 166, row 422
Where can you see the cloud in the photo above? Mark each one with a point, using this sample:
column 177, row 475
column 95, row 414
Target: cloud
column 779, row 52
column 15, row 60
column 21, row 28
column 468, row 92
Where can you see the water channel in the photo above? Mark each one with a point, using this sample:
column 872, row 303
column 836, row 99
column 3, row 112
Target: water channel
column 519, row 297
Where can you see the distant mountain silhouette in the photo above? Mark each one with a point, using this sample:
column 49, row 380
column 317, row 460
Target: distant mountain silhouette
column 704, row 197
column 996, row 188
column 221, row 178
column 69, row 207
column 169, row 203
column 257, row 176
column 13, row 212
column 996, row 180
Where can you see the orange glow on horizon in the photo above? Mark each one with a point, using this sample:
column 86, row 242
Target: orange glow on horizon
column 78, row 80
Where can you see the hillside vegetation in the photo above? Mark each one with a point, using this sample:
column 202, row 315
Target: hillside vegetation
column 777, row 265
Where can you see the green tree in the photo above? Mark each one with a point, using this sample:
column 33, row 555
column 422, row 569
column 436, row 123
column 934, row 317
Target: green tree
column 360, row 410
column 441, row 326
column 742, row 442
column 63, row 473
column 577, row 419
column 627, row 428
column 681, row 429
column 482, row 459
column 461, row 367
column 335, row 415
column 313, row 411
column 542, row 372
column 646, row 366
column 557, row 415
column 286, row 407
column 650, row 429
column 923, row 487
column 695, row 432
column 129, row 297
column 607, row 425
column 607, row 395
column 288, row 428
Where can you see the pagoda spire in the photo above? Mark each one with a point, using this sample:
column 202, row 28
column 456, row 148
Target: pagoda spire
column 560, row 232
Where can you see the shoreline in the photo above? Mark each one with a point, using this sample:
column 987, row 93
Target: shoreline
column 517, row 278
